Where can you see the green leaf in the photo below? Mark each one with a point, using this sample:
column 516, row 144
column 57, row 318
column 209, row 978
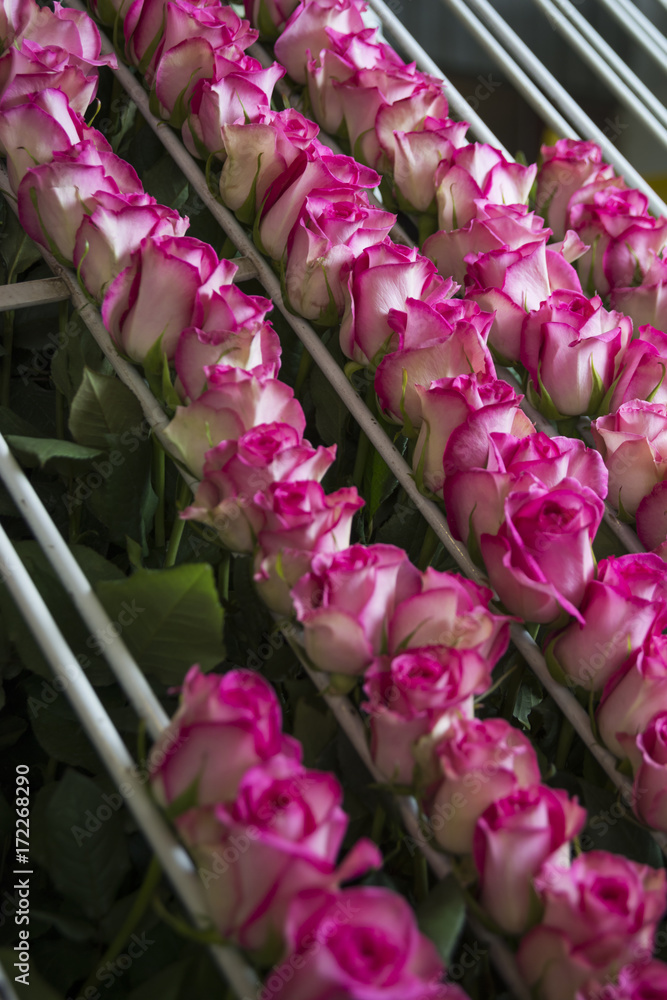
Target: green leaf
column 87, row 850
column 65, row 456
column 379, row 482
column 17, row 250
column 11, row 423
column 171, row 618
column 442, row 915
column 56, row 726
column 314, row 727
column 103, row 409
column 528, row 696
column 78, row 350
column 165, row 181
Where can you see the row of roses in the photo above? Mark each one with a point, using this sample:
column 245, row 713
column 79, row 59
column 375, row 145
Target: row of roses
column 240, row 409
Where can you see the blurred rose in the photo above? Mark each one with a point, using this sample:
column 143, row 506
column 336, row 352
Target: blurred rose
column 566, row 168
column 633, row 696
column 650, row 786
column 647, row 302
column 642, row 373
column 652, row 517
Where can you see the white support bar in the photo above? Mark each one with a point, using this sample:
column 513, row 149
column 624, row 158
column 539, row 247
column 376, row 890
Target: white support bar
column 509, row 39
column 23, row 294
column 638, row 26
column 107, row 742
column 609, row 74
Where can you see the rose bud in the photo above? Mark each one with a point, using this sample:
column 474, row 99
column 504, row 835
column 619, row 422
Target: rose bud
column 306, row 32
column 344, row 600
column 416, row 153
column 632, row 697
column 573, row 350
column 645, row 303
column 650, row 769
column 541, row 558
column 633, row 444
column 224, row 725
column 624, row 604
column 566, row 168
column 478, row 762
column 642, row 374
column 478, row 171
column 359, row 943
column 652, row 517
column 646, row 979
column 513, row 838
column 284, row 830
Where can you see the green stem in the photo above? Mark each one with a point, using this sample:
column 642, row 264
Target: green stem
column 378, row 823
column 139, row 907
column 223, row 576
column 183, row 929
column 178, row 526
column 565, row 740
column 429, row 546
column 304, row 367
column 421, row 877
column 364, row 445
column 158, row 486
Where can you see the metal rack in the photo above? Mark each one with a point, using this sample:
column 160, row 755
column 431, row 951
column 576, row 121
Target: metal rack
column 559, row 110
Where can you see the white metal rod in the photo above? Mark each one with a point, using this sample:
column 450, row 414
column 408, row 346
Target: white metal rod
column 639, row 27
column 23, row 294
column 533, row 95
column 605, row 50
column 130, row 677
column 424, row 62
column 509, row 38
column 610, row 76
column 111, row 749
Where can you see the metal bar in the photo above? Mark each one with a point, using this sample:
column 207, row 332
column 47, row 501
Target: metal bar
column 414, row 50
column 129, row 676
column 605, row 50
column 611, row 77
column 108, row 743
column 639, row 27
column 23, row 294
column 510, row 40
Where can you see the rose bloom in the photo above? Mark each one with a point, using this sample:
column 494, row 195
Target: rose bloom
column 500, row 463
column 633, row 444
column 416, row 152
column 566, row 168
column 642, row 374
column 28, row 67
column 383, row 278
column 514, row 837
column 597, row 915
column 478, row 761
column 344, row 600
column 512, row 283
column 541, row 558
column 306, row 32
column 573, row 350
column 625, row 603
column 412, row 693
column 647, row 302
column 235, row 471
column 650, row 785
column 281, row 835
column 633, row 696
column 643, row 980
column 652, row 517
column 360, row 943
column 224, row 725
column 478, row 171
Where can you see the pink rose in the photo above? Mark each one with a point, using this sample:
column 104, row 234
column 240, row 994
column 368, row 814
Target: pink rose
column 235, row 471
column 642, row 374
column 514, row 837
column 514, row 282
column 494, row 227
column 107, row 238
column 479, row 761
column 258, row 153
column 410, row 693
column 650, row 786
column 624, row 604
column 28, row 68
column 573, row 350
column 478, row 171
column 235, row 403
column 73, row 31
column 312, row 171
column 541, row 558
column 54, row 198
column 647, row 302
column 434, row 342
column 281, row 835
column 306, row 32
column 382, row 279
column 633, row 696
column 633, row 444
column 644, row 980
column 333, row 229
column 344, row 600
column 482, row 471
column 452, row 404
column 421, row 112
column 32, row 132
column 154, row 296
column 652, row 517
column 598, row 914
column 447, row 610
column 358, row 943
column 415, row 153
column 567, row 167
column 224, row 725
column 300, row 521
